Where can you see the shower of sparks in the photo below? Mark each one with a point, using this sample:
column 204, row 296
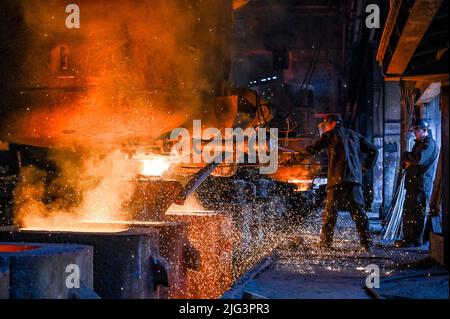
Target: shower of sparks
column 231, row 235
column 299, row 252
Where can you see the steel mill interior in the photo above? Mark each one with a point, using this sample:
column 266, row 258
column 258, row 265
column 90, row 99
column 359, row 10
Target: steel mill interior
column 232, row 149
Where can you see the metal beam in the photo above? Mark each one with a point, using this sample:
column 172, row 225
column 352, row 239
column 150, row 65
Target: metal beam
column 394, row 10
column 439, row 77
column 420, row 18
column 430, row 92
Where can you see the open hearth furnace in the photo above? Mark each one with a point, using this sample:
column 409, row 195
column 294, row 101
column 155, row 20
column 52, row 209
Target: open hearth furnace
column 88, row 114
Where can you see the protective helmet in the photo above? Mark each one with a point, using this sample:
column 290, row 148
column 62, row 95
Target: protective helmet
column 333, row 118
column 420, row 124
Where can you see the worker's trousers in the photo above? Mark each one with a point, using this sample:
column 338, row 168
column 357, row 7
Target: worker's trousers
column 414, row 216
column 349, row 196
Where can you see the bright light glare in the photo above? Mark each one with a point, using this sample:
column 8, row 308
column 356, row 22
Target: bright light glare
column 155, row 166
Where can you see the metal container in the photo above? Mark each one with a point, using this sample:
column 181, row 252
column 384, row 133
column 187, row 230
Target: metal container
column 4, row 279
column 175, row 248
column 41, row 271
column 211, row 234
column 126, row 263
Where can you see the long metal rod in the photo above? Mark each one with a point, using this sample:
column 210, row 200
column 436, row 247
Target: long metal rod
column 196, row 181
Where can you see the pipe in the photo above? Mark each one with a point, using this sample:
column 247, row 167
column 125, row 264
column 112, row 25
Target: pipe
column 197, row 180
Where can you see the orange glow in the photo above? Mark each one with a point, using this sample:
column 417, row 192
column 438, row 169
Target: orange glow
column 124, row 222
column 302, row 184
column 155, row 166
column 297, row 172
column 237, row 4
column 5, row 248
column 140, row 71
column 104, row 184
column 191, row 206
column 81, row 229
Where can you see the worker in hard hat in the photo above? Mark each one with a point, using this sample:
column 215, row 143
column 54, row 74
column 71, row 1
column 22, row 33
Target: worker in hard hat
column 349, row 154
column 420, row 166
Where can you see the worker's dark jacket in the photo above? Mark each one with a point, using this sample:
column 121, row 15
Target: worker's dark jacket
column 419, row 175
column 348, row 153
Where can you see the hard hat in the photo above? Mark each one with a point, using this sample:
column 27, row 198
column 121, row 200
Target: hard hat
column 332, row 118
column 420, row 124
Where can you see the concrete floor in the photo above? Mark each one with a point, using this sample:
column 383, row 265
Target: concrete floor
column 298, row 270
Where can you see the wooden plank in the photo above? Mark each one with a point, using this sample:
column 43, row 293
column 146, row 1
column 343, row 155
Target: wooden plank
column 440, row 77
column 420, row 18
column 394, row 10
column 429, row 91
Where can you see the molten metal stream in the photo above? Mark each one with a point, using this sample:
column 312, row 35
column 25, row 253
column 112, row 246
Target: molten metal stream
column 78, row 229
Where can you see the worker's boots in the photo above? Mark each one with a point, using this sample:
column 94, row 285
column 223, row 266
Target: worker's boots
column 362, row 227
column 366, row 243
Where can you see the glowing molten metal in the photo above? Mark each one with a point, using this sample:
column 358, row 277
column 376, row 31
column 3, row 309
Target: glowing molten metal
column 154, row 166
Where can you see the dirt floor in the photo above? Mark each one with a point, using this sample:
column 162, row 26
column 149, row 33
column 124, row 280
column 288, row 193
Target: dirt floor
column 298, row 270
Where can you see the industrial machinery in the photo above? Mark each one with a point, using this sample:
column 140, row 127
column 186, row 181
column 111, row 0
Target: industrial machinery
column 87, row 113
